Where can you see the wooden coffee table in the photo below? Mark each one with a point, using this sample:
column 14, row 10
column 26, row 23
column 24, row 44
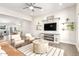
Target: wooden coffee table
column 11, row 51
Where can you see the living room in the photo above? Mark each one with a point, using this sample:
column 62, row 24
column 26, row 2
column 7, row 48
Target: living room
column 50, row 24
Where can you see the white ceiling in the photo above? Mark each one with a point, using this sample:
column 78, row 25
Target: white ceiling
column 47, row 7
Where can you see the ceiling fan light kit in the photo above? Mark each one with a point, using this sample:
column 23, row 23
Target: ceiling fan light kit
column 31, row 7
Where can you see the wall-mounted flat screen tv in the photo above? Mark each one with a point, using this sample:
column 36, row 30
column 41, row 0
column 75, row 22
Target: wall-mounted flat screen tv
column 50, row 26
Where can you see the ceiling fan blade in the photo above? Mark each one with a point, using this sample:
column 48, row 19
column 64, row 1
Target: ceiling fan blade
column 25, row 7
column 32, row 4
column 37, row 7
column 28, row 4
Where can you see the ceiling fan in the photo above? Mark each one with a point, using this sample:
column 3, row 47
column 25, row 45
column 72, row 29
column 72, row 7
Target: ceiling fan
column 32, row 6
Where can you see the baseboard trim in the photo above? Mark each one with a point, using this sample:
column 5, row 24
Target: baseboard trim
column 77, row 48
column 72, row 44
column 68, row 42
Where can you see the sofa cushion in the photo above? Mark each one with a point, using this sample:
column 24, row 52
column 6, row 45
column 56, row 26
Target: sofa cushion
column 19, row 42
column 29, row 37
column 16, row 37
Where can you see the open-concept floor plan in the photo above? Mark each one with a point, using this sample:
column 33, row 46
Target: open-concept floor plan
column 39, row 29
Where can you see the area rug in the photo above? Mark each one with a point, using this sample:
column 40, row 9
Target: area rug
column 53, row 51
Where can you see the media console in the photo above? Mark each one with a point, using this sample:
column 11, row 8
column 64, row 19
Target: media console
column 51, row 37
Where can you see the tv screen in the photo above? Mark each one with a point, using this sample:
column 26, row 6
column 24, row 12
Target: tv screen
column 50, row 26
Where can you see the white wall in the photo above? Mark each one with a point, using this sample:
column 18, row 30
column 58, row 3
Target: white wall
column 77, row 22
column 65, row 36
column 21, row 24
column 26, row 26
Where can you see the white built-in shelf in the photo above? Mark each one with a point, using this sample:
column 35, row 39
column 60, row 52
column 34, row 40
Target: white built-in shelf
column 46, row 20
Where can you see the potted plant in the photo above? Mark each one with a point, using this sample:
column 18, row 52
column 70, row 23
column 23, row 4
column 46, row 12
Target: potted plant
column 71, row 26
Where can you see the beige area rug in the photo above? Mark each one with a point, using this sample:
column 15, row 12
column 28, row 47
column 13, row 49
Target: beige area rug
column 53, row 51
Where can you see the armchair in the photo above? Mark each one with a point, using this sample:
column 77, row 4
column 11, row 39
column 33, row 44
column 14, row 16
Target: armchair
column 29, row 37
column 16, row 40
